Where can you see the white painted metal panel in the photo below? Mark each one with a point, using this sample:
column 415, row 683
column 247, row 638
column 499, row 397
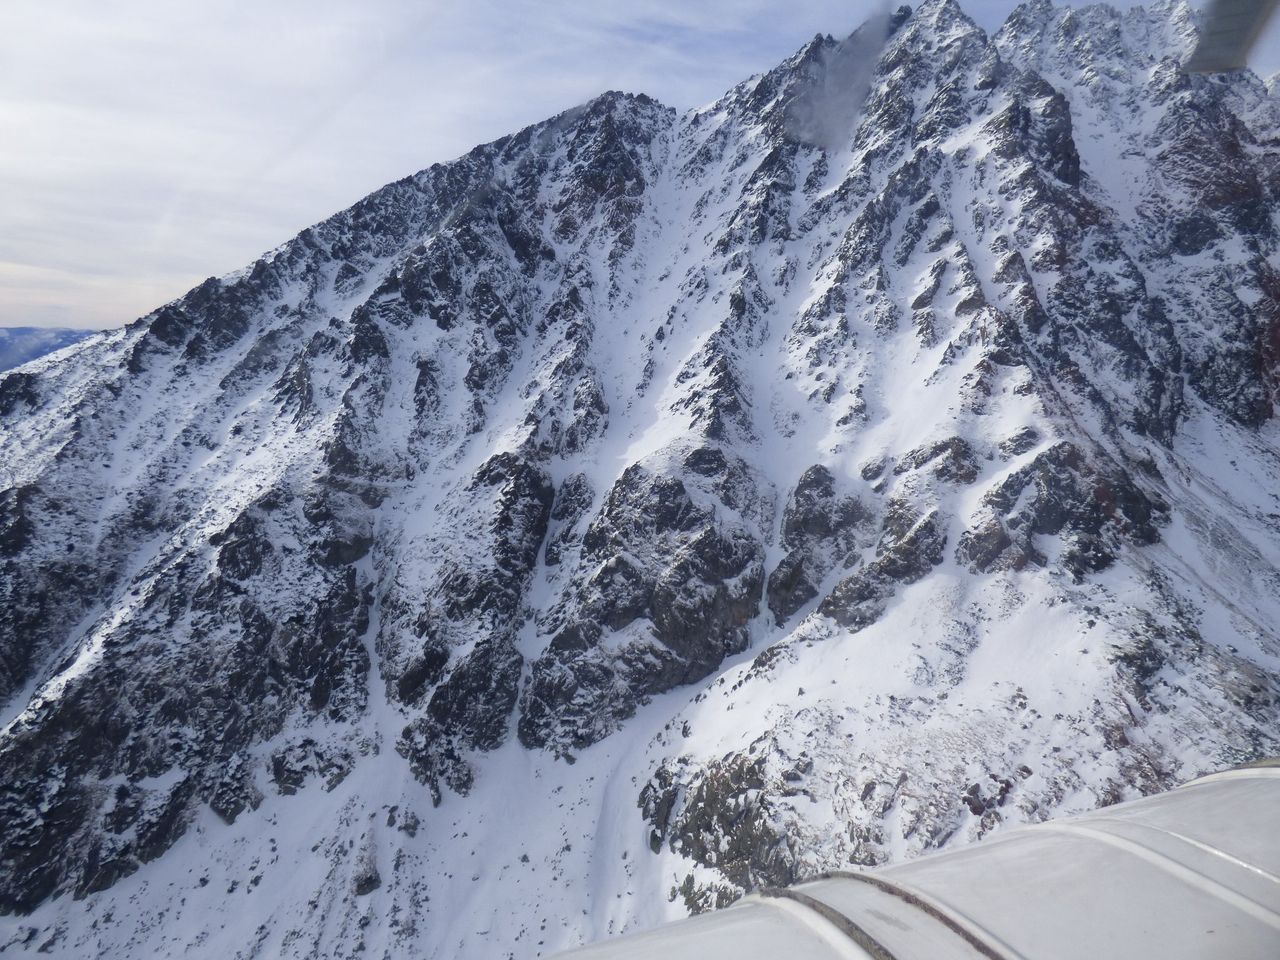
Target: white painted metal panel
column 754, row 929
column 1187, row 875
column 905, row 930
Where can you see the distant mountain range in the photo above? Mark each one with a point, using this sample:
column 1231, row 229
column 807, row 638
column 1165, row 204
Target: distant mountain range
column 18, row 345
column 650, row 505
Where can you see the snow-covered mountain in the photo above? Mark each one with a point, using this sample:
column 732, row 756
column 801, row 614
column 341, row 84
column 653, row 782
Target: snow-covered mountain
column 649, row 505
column 19, row 345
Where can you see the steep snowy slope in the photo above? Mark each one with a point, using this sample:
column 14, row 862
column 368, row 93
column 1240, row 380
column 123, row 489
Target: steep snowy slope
column 19, row 345
column 647, row 506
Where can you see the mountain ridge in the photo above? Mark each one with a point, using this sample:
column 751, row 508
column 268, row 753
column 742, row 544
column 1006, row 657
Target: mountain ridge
column 556, row 471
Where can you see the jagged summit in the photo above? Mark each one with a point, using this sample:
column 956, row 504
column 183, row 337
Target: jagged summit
column 643, row 507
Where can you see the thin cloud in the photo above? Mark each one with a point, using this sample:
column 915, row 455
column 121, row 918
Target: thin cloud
column 151, row 144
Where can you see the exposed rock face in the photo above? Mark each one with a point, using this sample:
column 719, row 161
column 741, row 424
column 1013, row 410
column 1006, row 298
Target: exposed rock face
column 819, row 530
column 644, row 506
column 671, row 588
column 909, row 548
column 1061, row 494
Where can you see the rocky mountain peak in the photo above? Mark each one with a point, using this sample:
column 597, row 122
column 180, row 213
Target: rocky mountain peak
column 645, row 506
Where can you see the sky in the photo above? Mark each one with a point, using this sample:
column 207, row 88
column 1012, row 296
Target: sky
column 149, row 144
